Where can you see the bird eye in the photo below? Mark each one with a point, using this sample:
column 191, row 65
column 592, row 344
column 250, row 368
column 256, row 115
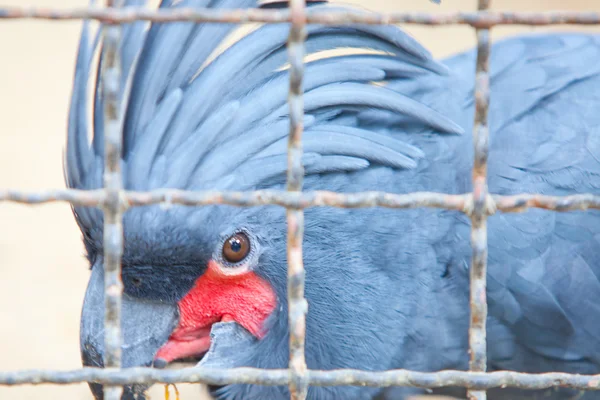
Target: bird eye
column 236, row 247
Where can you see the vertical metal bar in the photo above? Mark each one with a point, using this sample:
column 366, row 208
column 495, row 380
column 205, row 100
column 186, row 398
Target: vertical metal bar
column 298, row 307
column 478, row 273
column 113, row 227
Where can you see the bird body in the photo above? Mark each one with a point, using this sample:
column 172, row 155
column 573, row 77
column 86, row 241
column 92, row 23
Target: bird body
column 386, row 288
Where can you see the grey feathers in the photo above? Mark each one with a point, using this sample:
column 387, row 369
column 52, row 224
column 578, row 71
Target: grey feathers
column 387, row 118
column 191, row 124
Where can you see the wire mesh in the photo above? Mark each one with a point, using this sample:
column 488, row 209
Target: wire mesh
column 318, row 198
column 297, row 305
column 479, row 204
column 480, row 19
column 279, row 377
column 113, row 214
column 478, row 270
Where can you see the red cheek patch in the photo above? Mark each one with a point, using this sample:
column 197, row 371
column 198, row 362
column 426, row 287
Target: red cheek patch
column 246, row 299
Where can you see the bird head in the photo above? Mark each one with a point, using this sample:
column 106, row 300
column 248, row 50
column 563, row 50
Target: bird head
column 209, row 283
column 181, row 280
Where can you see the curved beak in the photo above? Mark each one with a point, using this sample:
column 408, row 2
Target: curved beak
column 145, row 327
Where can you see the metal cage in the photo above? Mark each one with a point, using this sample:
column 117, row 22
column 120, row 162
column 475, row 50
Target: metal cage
column 478, row 205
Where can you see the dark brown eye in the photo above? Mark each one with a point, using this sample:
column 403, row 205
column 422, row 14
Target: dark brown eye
column 236, row 248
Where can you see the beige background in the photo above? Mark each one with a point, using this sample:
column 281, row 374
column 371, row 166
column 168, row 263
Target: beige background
column 42, row 270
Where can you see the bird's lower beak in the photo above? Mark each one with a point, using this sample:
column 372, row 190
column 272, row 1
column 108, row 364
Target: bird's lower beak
column 230, row 344
column 145, row 325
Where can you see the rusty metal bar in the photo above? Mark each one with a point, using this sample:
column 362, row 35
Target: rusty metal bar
column 167, row 197
column 485, row 19
column 113, row 213
column 478, row 271
column 281, row 377
column 297, row 304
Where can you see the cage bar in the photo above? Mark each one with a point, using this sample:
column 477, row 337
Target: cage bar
column 478, row 271
column 113, row 214
column 297, row 304
column 318, row 198
column 281, row 377
column 481, row 19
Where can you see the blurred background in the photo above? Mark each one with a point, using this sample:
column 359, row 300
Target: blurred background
column 43, row 273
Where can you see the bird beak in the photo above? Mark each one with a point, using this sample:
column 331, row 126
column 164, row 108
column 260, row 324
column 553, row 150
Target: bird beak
column 230, row 343
column 145, row 326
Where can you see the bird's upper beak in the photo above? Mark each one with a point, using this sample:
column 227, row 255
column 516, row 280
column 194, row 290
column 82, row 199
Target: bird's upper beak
column 145, row 326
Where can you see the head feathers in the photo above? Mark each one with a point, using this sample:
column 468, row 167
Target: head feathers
column 193, row 124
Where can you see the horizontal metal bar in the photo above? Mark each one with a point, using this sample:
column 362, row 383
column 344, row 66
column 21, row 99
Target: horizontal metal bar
column 281, row 377
column 481, row 19
column 459, row 202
